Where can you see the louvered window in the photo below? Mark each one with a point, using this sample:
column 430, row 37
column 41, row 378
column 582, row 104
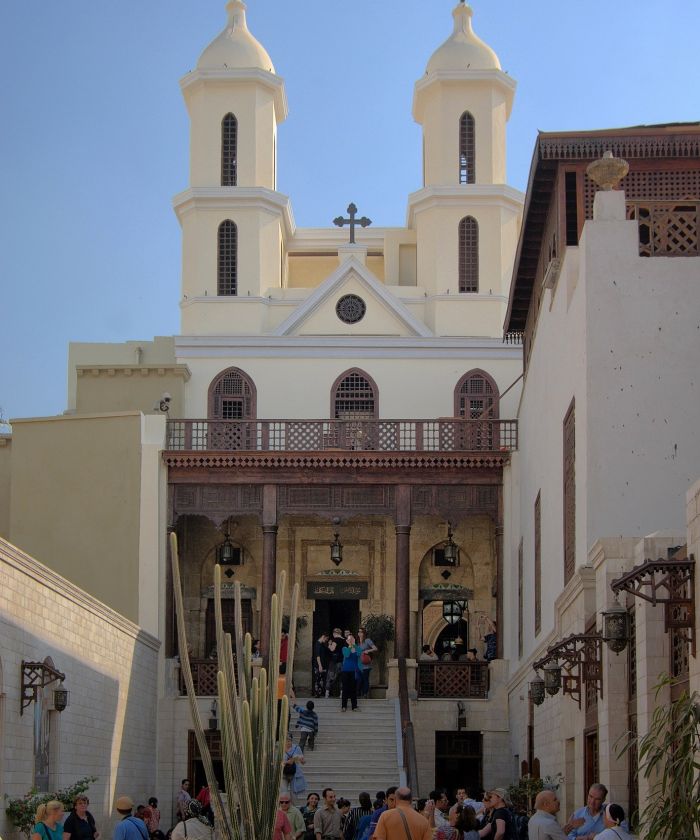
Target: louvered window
column 232, row 396
column 229, row 151
column 476, row 397
column 468, row 255
column 538, row 564
column 354, row 397
column 227, row 266
column 569, row 494
column 466, row 149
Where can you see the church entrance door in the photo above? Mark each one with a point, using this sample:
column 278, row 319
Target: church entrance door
column 330, row 614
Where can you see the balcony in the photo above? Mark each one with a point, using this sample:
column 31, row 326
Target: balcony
column 437, row 680
column 440, row 435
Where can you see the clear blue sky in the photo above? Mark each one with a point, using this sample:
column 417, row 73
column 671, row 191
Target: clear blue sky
column 94, row 135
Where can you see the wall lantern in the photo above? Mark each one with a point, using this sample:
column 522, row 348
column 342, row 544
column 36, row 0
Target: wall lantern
column 60, row 699
column 616, row 631
column 537, row 690
column 35, row 677
column 451, row 612
column 336, row 550
column 552, row 677
column 450, row 549
column 670, row 582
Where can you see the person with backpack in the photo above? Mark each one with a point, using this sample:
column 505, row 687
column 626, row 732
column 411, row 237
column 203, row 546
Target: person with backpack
column 130, row 827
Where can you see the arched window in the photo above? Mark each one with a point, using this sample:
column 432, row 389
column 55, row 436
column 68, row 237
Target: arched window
column 468, row 255
column 227, row 265
column 354, row 396
column 476, row 396
column 232, row 396
column 229, row 151
column 466, row 148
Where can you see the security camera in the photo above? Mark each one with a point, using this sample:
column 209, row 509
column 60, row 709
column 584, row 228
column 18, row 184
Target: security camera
column 164, row 404
column 166, row 397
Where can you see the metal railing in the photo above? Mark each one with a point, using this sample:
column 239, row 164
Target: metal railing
column 440, row 435
column 453, row 679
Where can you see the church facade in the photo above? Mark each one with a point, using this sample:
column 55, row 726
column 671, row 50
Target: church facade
column 386, row 414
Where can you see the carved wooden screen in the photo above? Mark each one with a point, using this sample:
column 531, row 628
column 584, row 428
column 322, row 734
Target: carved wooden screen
column 466, row 149
column 468, row 255
column 229, row 151
column 632, row 755
column 476, row 397
column 538, row 564
column 227, row 262
column 569, row 494
column 354, row 397
column 520, row 599
column 232, row 396
column 228, row 610
column 590, row 758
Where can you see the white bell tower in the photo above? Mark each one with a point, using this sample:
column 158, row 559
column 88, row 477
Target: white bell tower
column 466, row 217
column 233, row 220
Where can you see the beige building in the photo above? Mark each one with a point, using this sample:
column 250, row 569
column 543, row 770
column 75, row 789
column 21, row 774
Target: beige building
column 344, row 404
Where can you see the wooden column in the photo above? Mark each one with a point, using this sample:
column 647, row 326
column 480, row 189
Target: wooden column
column 269, row 564
column 403, row 570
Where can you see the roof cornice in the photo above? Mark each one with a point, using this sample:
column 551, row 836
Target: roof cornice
column 472, row 194
column 196, row 78
column 232, row 198
column 496, row 77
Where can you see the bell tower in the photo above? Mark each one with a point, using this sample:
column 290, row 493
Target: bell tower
column 233, row 220
column 466, row 217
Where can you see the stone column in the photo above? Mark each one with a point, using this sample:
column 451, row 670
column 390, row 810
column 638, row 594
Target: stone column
column 403, row 570
column 269, row 564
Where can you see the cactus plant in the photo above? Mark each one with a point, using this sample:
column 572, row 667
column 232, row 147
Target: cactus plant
column 252, row 757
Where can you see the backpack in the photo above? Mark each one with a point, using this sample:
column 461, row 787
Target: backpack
column 520, row 823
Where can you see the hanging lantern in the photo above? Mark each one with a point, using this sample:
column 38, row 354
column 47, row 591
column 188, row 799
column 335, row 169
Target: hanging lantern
column 450, row 549
column 451, row 612
column 537, row 690
column 552, row 677
column 616, row 627
column 336, row 550
column 60, row 699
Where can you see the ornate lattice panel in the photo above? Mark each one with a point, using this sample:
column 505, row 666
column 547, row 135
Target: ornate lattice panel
column 453, row 679
column 633, row 773
column 569, row 494
column 632, row 656
column 666, row 230
column 674, row 185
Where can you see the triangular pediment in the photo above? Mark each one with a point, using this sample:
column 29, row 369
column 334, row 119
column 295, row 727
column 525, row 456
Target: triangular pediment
column 385, row 314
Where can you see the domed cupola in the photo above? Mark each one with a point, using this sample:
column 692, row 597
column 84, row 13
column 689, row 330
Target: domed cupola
column 235, row 48
column 463, row 50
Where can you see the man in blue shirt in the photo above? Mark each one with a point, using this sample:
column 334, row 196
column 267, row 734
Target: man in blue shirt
column 588, row 821
column 130, row 828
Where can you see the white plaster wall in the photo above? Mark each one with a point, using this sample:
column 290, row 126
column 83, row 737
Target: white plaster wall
column 109, row 727
column 290, row 385
column 643, row 356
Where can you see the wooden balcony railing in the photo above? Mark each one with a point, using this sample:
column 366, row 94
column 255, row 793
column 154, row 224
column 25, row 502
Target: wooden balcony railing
column 667, row 228
column 443, row 435
column 204, row 677
column 453, row 679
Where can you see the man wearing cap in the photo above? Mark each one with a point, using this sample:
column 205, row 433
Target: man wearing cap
column 500, row 821
column 543, row 823
column 130, row 828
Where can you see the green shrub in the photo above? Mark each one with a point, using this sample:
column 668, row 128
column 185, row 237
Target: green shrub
column 21, row 811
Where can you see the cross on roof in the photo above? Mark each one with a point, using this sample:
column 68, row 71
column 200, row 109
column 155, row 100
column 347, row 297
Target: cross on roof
column 352, row 221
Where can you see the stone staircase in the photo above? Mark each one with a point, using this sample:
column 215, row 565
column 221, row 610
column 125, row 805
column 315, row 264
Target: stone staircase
column 354, row 751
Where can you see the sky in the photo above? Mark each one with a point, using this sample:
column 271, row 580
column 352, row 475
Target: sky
column 94, row 135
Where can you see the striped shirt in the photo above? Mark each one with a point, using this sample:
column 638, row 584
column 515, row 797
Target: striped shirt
column 308, row 719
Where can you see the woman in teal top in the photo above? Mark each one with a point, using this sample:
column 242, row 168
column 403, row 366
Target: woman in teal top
column 48, row 825
column 349, row 672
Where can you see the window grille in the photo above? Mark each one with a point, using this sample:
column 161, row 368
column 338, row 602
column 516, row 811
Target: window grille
column 229, row 151
column 466, row 149
column 476, row 397
column 468, row 255
column 232, row 397
column 569, row 494
column 354, row 398
column 538, row 564
column 227, row 267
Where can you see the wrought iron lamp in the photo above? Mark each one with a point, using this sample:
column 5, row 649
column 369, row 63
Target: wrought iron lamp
column 450, row 549
column 451, row 612
column 337, row 550
column 61, row 697
column 552, row 677
column 225, row 551
column 537, row 690
column 616, row 630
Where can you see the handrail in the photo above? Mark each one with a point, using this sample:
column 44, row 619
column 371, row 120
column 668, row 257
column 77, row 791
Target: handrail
column 409, row 741
column 442, row 434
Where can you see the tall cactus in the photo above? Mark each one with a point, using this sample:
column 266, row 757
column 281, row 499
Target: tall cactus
column 252, row 757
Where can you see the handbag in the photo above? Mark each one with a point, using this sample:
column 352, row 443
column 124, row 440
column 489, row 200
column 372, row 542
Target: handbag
column 289, row 770
column 365, row 658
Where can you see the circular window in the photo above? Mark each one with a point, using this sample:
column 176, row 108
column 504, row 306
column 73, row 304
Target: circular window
column 350, row 309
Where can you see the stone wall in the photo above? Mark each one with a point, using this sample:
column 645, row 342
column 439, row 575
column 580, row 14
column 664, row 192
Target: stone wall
column 110, row 667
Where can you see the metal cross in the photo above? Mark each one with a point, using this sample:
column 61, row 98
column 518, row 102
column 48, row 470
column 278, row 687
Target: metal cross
column 352, row 221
